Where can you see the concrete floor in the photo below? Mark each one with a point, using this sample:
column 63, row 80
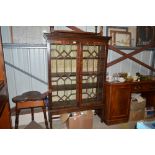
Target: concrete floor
column 57, row 124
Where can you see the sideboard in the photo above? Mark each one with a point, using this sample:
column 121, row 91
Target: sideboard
column 118, row 98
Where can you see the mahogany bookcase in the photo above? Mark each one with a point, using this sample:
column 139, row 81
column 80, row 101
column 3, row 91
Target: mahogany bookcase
column 76, row 72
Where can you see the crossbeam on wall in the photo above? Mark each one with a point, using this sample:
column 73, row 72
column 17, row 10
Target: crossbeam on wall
column 130, row 56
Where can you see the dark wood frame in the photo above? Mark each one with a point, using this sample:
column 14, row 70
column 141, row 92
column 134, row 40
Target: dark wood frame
column 113, row 41
column 115, row 28
column 145, row 35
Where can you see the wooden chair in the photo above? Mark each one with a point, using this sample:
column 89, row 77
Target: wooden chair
column 31, row 99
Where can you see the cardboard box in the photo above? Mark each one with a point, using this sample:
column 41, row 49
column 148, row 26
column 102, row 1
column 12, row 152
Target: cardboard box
column 137, row 110
column 137, row 115
column 135, row 105
column 80, row 120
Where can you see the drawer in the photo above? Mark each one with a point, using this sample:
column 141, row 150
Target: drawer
column 143, row 87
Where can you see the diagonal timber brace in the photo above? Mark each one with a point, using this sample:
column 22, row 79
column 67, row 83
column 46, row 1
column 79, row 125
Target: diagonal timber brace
column 130, row 56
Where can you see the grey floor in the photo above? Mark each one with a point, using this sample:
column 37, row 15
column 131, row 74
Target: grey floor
column 57, row 124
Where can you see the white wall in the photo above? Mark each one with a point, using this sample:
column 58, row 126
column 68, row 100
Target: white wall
column 18, row 60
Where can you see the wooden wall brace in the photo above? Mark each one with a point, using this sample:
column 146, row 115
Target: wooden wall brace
column 74, row 28
column 129, row 56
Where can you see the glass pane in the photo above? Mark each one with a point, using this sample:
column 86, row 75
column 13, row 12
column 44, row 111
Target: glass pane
column 63, row 74
column 92, row 79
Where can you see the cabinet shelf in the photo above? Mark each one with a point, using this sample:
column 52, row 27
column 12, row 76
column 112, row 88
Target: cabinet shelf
column 73, row 86
column 68, row 74
column 73, row 103
column 73, row 58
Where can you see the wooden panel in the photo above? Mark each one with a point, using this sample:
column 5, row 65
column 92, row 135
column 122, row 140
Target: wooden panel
column 117, row 103
column 121, row 101
column 5, row 119
column 29, row 104
column 118, row 97
column 140, row 87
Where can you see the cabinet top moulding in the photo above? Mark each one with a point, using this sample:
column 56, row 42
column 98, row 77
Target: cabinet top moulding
column 75, row 35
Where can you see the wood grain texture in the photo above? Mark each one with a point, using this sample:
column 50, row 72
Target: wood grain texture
column 118, row 98
column 81, row 40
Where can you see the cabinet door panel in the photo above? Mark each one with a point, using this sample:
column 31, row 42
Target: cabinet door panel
column 63, row 74
column 120, row 102
column 93, row 71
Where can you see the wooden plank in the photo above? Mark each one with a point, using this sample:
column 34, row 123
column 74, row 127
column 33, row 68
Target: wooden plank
column 72, row 58
column 79, row 64
column 125, row 56
column 68, row 74
column 73, row 86
column 74, row 28
column 73, row 103
column 129, row 56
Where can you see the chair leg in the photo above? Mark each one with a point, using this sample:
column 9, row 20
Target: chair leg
column 32, row 113
column 17, row 118
column 45, row 117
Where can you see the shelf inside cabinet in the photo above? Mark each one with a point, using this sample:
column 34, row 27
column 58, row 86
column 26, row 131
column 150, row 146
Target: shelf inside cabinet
column 63, row 74
column 63, row 104
column 72, row 58
column 73, row 86
column 67, row 74
column 73, row 103
column 63, row 58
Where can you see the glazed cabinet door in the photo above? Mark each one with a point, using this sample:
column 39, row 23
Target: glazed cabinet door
column 93, row 74
column 63, row 74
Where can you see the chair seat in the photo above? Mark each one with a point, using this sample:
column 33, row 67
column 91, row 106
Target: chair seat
column 29, row 96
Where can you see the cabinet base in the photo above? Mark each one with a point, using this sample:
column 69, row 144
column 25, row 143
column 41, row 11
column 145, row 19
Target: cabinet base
column 112, row 122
